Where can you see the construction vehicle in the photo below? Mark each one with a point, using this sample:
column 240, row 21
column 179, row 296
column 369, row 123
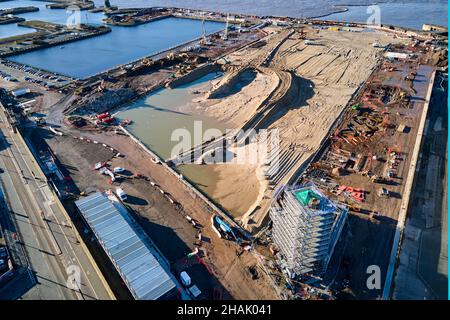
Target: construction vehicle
column 204, row 40
column 225, row 35
column 103, row 115
column 121, row 194
column 225, row 60
column 383, row 192
column 108, row 120
column 171, row 56
column 40, row 121
column 223, row 229
column 147, row 61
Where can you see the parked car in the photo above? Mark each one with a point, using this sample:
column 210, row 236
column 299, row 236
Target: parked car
column 118, row 170
column 121, row 194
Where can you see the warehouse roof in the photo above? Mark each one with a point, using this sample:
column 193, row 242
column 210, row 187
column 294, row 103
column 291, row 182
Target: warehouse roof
column 131, row 251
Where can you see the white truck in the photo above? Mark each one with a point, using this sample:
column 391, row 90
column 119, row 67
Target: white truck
column 121, row 194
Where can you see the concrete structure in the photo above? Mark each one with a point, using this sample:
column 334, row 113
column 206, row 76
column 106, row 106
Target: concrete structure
column 20, row 92
column 422, row 264
column 44, row 248
column 306, row 228
column 407, row 194
column 138, row 261
column 396, row 55
column 433, row 27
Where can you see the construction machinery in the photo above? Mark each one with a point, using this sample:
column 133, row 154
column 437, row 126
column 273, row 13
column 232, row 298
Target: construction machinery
column 204, row 40
column 224, row 230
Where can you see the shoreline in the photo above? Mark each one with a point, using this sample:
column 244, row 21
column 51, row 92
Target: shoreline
column 346, row 7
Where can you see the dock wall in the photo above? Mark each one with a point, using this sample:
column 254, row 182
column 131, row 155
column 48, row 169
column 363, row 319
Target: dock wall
column 194, row 74
column 407, row 194
column 213, row 207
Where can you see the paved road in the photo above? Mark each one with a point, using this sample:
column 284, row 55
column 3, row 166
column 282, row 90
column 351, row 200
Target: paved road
column 51, row 251
column 423, row 268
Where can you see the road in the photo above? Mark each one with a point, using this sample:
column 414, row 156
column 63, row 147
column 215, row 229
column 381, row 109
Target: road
column 422, row 272
column 53, row 264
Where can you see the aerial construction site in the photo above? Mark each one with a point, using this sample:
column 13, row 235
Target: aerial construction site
column 336, row 112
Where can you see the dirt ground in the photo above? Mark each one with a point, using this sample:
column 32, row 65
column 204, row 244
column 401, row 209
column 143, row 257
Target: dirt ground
column 165, row 223
column 229, row 109
column 313, row 82
column 218, row 180
column 368, row 240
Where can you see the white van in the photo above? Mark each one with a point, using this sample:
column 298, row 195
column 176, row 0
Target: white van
column 185, row 279
column 121, row 194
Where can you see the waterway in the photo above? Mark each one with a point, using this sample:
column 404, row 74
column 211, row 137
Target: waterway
column 12, row 29
column 410, row 15
column 404, row 13
column 156, row 116
column 44, row 14
column 84, row 58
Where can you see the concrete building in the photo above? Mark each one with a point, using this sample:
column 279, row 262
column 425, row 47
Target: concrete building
column 433, row 27
column 306, row 228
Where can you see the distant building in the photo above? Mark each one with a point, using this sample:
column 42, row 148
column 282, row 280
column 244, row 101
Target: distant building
column 306, row 228
column 433, row 27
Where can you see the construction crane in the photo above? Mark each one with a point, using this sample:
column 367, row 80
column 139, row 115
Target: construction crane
column 225, row 35
column 204, row 31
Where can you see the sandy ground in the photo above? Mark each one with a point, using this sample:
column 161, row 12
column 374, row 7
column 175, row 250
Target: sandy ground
column 323, row 77
column 230, row 109
column 218, row 180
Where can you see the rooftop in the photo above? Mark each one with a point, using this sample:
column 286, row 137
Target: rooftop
column 311, row 198
column 137, row 260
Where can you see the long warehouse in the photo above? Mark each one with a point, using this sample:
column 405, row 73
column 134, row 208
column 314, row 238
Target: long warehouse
column 138, row 261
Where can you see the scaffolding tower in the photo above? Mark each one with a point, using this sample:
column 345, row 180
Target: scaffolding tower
column 306, row 228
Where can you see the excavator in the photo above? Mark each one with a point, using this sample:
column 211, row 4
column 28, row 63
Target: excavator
column 224, row 230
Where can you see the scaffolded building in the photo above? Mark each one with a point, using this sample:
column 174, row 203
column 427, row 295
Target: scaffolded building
column 306, row 228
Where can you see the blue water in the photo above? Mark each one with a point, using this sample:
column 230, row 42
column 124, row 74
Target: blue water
column 124, row 44
column 44, row 14
column 59, row 16
column 156, row 116
column 10, row 30
column 410, row 15
column 406, row 13
column 87, row 57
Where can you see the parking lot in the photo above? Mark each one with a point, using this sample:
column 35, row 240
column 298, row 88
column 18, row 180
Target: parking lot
column 15, row 72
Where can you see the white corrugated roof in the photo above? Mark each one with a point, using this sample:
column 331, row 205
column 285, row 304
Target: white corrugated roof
column 131, row 252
